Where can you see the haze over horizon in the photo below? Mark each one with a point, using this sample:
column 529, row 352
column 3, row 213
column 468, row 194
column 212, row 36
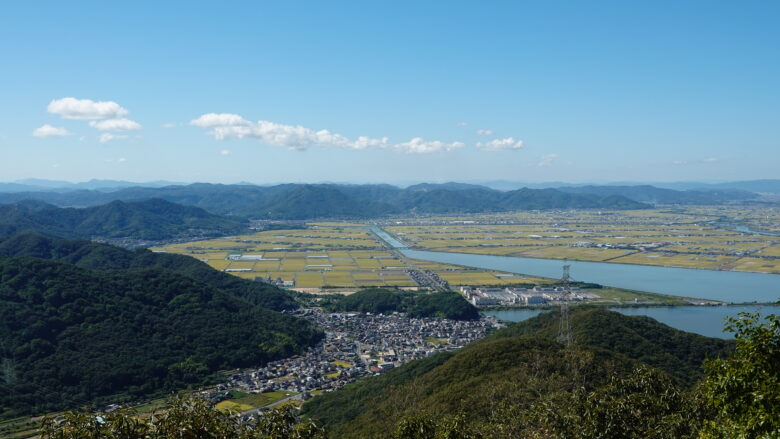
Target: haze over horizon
column 397, row 94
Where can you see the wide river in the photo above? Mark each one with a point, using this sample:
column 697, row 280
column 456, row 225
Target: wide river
column 725, row 286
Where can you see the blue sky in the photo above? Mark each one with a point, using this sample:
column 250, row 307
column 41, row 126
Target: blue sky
column 416, row 91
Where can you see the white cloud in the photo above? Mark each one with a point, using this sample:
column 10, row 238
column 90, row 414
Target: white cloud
column 223, row 126
column 107, row 137
column 50, row 131
column 225, row 152
column 485, row 132
column 115, row 125
column 705, row 161
column 420, row 146
column 509, row 143
column 213, row 120
column 121, row 160
column 72, row 108
column 169, row 125
column 547, row 159
column 462, row 124
column 232, row 126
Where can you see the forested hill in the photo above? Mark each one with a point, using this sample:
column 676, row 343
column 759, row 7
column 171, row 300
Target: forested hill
column 498, row 382
column 153, row 219
column 72, row 335
column 655, row 195
column 447, row 305
column 642, row 338
column 306, row 201
column 98, row 256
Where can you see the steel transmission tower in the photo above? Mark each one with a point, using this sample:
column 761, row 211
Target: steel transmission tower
column 564, row 330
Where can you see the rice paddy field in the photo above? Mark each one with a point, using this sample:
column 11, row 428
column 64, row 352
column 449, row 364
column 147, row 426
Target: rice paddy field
column 326, row 255
column 703, row 237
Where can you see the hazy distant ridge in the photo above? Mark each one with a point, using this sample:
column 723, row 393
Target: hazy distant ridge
column 305, row 201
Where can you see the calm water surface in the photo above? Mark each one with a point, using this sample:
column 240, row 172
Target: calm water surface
column 726, row 286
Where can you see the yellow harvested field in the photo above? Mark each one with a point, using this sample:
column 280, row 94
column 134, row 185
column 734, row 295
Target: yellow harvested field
column 677, row 260
column 306, row 279
column 338, row 279
column 758, row 265
column 230, row 406
column 368, row 264
column 771, row 251
column 241, row 265
column 576, row 253
column 267, row 265
column 219, row 264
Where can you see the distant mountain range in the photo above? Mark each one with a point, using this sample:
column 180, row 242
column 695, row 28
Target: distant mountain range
column 306, row 201
column 152, row 219
column 309, row 201
column 655, row 195
column 42, row 185
column 766, row 186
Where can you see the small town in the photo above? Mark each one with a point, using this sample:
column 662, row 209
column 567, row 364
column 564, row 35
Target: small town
column 357, row 345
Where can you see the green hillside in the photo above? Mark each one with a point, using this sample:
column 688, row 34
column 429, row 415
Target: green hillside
column 72, row 335
column 448, row 305
column 153, row 219
column 97, row 256
column 505, row 380
column 642, row 338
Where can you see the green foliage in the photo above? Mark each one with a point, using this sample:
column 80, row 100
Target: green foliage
column 185, row 418
column 644, row 404
column 72, row 336
column 679, row 353
column 153, row 219
column 97, row 256
column 744, row 389
column 426, row 426
column 448, row 305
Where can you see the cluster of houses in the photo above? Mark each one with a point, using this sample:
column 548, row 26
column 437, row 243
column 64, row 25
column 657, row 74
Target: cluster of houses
column 427, row 278
column 538, row 295
column 357, row 345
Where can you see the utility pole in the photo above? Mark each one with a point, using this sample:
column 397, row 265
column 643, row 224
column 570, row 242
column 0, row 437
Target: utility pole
column 564, row 330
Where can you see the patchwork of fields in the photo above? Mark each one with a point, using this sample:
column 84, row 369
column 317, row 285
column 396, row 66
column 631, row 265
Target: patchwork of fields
column 326, row 255
column 696, row 237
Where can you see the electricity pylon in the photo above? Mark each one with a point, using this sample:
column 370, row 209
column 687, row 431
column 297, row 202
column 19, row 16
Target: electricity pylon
column 564, row 330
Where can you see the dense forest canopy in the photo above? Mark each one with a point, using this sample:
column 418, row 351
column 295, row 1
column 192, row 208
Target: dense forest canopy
column 73, row 335
column 152, row 219
column 448, row 305
column 98, row 256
